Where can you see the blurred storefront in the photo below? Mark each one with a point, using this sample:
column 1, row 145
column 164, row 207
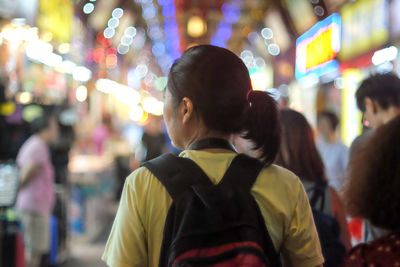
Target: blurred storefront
column 337, row 53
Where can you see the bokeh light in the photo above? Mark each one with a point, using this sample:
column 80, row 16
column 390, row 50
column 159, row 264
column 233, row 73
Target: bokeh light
column 117, row 13
column 81, row 93
column 88, row 8
column 196, row 26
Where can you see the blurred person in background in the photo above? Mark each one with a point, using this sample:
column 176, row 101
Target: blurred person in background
column 299, row 154
column 36, row 194
column 334, row 153
column 373, row 193
column 101, row 134
column 378, row 97
column 153, row 142
column 209, row 97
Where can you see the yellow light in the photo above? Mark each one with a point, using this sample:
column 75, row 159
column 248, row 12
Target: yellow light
column 7, row 108
column 136, row 113
column 144, row 120
column 259, row 81
column 351, row 116
column 81, row 93
column 159, row 111
column 153, row 106
column 111, row 61
column 47, row 37
column 196, row 27
column 13, row 35
column 24, row 98
column 64, row 48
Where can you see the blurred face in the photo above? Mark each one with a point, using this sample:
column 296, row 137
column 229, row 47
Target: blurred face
column 171, row 121
column 52, row 131
column 324, row 126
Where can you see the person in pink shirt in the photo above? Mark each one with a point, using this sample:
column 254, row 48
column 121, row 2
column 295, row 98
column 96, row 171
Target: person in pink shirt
column 36, row 193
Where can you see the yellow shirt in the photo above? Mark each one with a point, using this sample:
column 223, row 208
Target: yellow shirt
column 136, row 236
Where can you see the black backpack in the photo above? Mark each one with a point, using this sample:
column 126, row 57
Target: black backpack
column 328, row 229
column 212, row 225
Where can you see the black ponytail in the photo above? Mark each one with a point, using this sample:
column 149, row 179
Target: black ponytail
column 262, row 126
column 218, row 83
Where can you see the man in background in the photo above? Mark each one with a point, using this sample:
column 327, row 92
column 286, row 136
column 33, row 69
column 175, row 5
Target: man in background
column 36, row 196
column 378, row 97
column 334, row 153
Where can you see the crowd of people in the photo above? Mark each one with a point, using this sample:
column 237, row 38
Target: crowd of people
column 174, row 213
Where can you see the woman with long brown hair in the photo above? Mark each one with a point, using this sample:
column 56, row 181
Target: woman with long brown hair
column 299, row 154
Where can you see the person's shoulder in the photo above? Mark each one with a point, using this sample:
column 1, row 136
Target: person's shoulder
column 362, row 138
column 387, row 240
column 280, row 177
column 282, row 172
column 31, row 145
column 380, row 251
column 32, row 141
column 360, row 141
column 140, row 178
column 378, row 244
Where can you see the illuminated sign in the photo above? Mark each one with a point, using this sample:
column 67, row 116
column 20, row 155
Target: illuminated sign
column 317, row 48
column 365, row 25
column 56, row 17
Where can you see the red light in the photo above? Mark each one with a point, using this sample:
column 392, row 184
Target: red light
column 100, row 37
column 107, row 42
column 102, row 40
column 103, row 74
column 111, row 51
column 98, row 54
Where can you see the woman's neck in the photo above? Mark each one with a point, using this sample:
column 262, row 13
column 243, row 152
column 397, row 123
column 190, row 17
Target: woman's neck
column 206, row 135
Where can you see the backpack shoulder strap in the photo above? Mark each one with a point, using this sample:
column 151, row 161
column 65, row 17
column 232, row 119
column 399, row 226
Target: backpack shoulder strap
column 176, row 174
column 318, row 193
column 243, row 172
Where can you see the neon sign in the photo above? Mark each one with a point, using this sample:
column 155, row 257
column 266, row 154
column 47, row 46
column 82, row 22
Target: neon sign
column 317, row 48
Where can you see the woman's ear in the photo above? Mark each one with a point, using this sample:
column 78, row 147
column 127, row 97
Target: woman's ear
column 187, row 110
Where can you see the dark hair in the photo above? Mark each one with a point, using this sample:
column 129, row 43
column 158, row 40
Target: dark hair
column 383, row 88
column 41, row 123
column 218, row 83
column 298, row 152
column 373, row 189
column 332, row 118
